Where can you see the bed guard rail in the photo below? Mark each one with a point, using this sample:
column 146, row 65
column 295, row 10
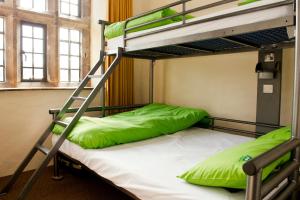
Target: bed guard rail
column 213, row 126
column 184, row 12
column 256, row 189
column 97, row 109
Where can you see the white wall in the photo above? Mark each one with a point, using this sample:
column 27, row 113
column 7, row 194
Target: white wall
column 98, row 11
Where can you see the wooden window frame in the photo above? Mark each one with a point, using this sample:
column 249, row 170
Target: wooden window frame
column 44, row 79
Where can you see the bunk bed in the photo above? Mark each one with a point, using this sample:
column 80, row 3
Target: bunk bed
column 236, row 29
column 264, row 24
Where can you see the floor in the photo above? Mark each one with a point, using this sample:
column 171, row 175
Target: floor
column 75, row 186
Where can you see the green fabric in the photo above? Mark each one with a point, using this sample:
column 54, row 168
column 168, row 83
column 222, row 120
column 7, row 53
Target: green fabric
column 117, row 29
column 225, row 168
column 143, row 123
column 244, row 2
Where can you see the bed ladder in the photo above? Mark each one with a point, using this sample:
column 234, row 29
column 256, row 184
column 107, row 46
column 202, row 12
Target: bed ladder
column 50, row 153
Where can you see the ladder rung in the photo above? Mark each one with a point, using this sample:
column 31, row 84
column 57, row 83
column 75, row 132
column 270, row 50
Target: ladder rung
column 95, row 76
column 43, row 149
column 61, row 123
column 79, row 98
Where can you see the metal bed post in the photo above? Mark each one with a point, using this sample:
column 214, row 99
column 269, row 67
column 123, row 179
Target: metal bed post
column 183, row 10
column 56, row 173
column 151, row 82
column 254, row 186
column 295, row 117
column 102, row 67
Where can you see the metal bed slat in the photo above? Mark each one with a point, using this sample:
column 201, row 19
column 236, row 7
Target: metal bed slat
column 253, row 40
column 271, row 36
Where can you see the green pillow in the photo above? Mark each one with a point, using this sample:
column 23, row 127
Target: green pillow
column 244, row 2
column 117, row 29
column 225, row 169
column 170, row 12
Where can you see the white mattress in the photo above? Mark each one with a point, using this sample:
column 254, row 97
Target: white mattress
column 148, row 169
column 212, row 29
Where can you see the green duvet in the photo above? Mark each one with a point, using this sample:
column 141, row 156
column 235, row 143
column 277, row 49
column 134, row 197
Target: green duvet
column 117, row 29
column 143, row 123
column 244, row 2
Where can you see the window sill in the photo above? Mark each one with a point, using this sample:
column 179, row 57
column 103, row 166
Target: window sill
column 39, row 86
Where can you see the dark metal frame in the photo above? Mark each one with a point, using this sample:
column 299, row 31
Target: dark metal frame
column 269, row 105
column 44, row 79
column 214, row 120
column 54, row 112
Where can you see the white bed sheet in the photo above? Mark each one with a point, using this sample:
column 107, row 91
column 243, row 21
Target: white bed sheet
column 148, row 169
column 194, row 31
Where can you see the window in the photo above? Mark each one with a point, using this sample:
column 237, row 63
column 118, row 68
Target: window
column 2, row 68
column 70, row 55
column 33, row 55
column 70, row 8
column 37, row 5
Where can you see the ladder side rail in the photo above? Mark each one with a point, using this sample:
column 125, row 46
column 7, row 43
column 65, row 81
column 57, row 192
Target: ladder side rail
column 69, row 128
column 81, row 86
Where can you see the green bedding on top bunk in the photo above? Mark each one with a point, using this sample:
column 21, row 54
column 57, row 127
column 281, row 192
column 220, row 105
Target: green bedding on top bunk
column 117, row 29
column 140, row 124
column 244, row 2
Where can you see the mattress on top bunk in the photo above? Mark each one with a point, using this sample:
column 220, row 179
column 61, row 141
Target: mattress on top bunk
column 205, row 27
column 148, row 169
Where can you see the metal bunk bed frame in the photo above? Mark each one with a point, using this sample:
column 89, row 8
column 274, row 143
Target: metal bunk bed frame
column 256, row 189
